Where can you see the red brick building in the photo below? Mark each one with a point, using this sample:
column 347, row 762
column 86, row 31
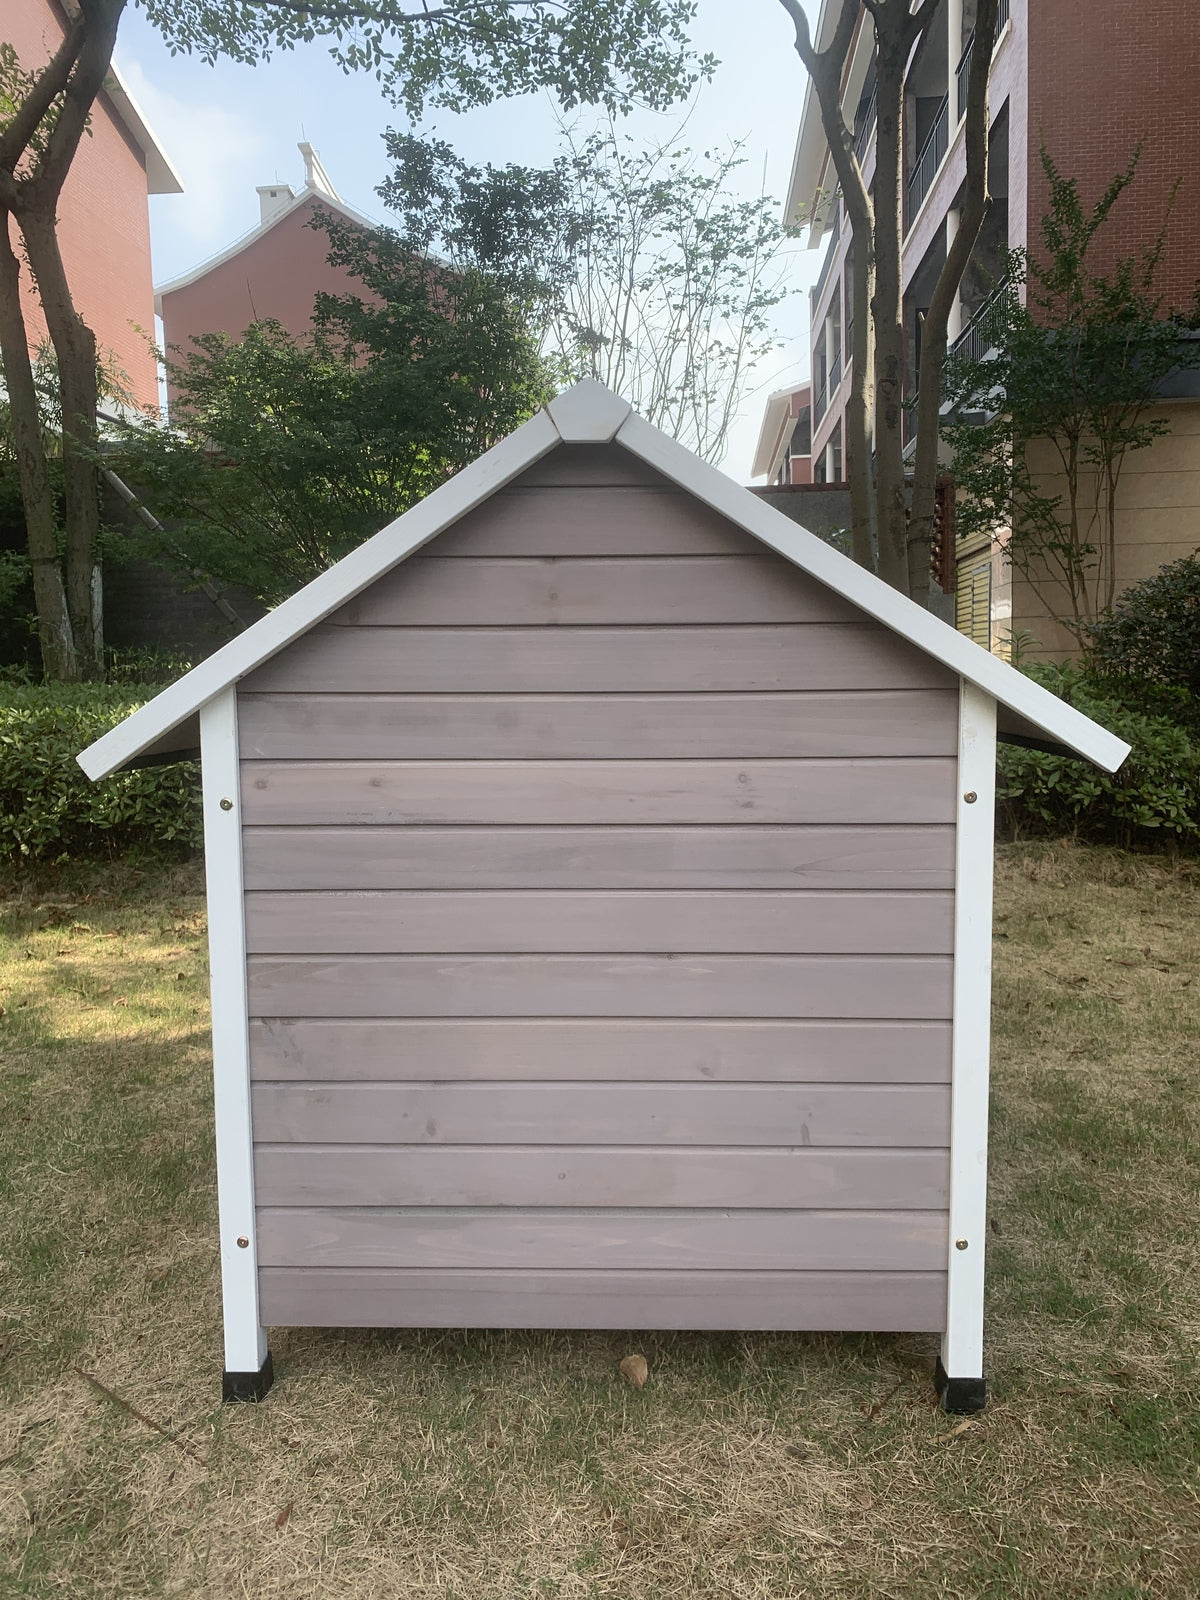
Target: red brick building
column 103, row 215
column 272, row 273
column 1090, row 82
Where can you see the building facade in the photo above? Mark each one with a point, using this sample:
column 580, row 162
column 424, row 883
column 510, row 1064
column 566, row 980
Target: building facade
column 103, row 214
column 784, row 449
column 1090, row 84
column 273, row 273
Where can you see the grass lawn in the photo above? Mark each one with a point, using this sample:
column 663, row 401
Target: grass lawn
column 519, row 1466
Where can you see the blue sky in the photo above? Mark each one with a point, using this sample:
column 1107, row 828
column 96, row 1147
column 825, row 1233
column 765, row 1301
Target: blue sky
column 229, row 128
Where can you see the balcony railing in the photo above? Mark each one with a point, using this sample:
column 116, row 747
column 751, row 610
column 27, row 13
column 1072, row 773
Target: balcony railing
column 933, row 153
column 835, row 369
column 827, row 264
column 978, row 337
column 963, row 71
column 822, row 404
column 863, row 137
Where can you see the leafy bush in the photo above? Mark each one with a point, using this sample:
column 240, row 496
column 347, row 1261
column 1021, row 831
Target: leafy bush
column 1153, row 798
column 1148, row 643
column 49, row 810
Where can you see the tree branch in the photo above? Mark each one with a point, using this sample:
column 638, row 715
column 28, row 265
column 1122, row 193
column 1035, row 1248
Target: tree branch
column 47, row 87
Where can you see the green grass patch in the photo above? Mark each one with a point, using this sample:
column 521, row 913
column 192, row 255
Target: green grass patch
column 519, row 1466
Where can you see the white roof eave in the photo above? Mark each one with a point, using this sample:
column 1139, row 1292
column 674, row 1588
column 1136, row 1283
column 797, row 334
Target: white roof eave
column 593, row 414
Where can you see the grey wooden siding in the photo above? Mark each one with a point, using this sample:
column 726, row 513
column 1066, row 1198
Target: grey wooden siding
column 599, row 875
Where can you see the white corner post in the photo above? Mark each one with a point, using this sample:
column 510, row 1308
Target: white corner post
column 247, row 1361
column 960, row 1378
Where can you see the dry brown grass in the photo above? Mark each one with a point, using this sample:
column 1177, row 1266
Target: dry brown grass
column 515, row 1466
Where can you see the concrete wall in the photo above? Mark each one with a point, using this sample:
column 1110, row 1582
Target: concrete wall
column 1158, row 521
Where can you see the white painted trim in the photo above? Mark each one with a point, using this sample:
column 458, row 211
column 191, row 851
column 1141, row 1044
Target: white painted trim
column 962, row 1344
column 245, row 1340
column 963, row 656
column 324, row 594
column 588, row 413
column 507, row 460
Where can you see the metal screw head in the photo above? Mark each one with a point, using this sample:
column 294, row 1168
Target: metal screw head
column 226, row 804
column 244, row 1243
column 960, row 1244
column 970, row 797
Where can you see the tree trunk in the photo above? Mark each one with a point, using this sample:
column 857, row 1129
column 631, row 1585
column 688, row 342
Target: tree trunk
column 75, row 350
column 934, row 335
column 887, row 312
column 55, row 635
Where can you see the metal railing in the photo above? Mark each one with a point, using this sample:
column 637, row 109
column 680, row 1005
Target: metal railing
column 863, row 137
column 827, row 264
column 962, row 71
column 835, row 369
column 933, row 153
column 822, row 404
column 977, row 338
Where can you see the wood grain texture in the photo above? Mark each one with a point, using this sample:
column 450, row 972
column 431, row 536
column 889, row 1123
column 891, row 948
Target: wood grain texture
column 587, row 465
column 621, row 522
column 600, row 986
column 909, row 1116
column 329, row 727
column 599, row 792
column 599, row 660
column 516, row 591
column 381, row 857
column 883, row 1302
column 646, row 1239
column 782, row 921
column 420, row 1175
column 538, row 1049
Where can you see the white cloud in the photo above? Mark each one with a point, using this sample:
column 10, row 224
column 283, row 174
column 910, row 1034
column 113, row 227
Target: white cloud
column 220, row 155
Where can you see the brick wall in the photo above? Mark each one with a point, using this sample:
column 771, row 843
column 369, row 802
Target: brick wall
column 1101, row 78
column 103, row 218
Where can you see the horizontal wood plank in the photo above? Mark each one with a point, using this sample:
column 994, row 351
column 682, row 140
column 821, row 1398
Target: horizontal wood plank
column 428, row 590
column 587, row 465
column 599, row 792
column 910, row 1116
column 739, row 659
column 608, row 522
column 421, row 1175
column 450, row 1049
column 600, row 986
column 328, row 727
column 381, row 857
column 882, row 1302
column 784, row 921
column 554, row 1240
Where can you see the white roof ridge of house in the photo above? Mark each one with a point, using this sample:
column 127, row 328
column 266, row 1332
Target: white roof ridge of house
column 327, row 198
column 590, row 413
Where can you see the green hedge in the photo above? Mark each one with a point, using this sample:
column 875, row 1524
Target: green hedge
column 49, row 811
column 1153, row 799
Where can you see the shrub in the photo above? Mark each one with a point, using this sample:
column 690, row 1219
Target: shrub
column 1152, row 799
column 49, row 810
column 1148, row 643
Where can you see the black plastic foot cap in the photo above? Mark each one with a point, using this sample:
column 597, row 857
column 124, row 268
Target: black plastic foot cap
column 959, row 1396
column 248, row 1385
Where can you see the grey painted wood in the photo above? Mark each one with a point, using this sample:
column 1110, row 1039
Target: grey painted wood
column 421, row 1175
column 571, row 792
column 429, row 591
column 734, row 659
column 399, row 1049
column 586, row 465
column 621, row 522
column 884, row 1302
column 329, row 727
column 558, row 1239
column 600, row 986
column 912, row 1116
column 784, row 921
column 381, row 857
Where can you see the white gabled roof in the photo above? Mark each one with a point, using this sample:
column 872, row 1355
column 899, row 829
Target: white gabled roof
column 590, row 413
